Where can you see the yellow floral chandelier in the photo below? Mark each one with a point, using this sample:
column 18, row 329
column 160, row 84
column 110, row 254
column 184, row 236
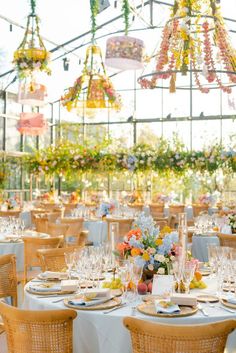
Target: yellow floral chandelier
column 93, row 90
column 195, row 41
column 31, row 56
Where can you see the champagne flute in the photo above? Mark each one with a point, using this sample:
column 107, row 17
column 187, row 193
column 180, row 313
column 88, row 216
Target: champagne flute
column 137, row 271
column 69, row 260
column 188, row 274
column 125, row 273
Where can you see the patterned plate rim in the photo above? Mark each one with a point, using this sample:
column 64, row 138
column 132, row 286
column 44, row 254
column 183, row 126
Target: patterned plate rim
column 229, row 305
column 48, row 293
column 214, row 298
column 94, row 307
column 194, row 310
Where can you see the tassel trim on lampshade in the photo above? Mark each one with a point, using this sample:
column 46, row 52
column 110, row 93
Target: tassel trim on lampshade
column 172, row 83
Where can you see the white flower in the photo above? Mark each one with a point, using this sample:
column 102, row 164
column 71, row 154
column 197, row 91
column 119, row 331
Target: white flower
column 160, row 258
column 161, row 271
column 150, row 267
column 151, row 250
column 172, row 258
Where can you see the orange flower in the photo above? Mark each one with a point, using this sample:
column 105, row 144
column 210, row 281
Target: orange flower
column 135, row 252
column 123, row 247
column 135, row 232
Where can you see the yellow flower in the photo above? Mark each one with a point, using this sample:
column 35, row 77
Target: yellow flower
column 145, row 256
column 158, row 241
column 135, row 252
column 165, row 230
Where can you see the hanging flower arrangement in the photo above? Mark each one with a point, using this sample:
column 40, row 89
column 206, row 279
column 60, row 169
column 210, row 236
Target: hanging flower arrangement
column 93, row 90
column 194, row 40
column 31, row 56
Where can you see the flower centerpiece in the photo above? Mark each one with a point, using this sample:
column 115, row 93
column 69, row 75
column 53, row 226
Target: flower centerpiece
column 149, row 247
column 232, row 221
column 205, row 199
column 106, row 208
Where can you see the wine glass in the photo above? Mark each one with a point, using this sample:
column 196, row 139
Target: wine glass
column 69, row 260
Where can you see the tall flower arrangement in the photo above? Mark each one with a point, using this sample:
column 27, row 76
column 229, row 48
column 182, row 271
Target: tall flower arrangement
column 149, row 247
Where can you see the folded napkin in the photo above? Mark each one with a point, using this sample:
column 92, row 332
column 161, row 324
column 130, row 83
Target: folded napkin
column 166, row 307
column 88, row 302
column 52, row 275
column 44, row 289
column 231, row 300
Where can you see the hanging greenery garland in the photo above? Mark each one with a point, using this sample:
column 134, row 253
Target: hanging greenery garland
column 94, row 8
column 126, row 13
column 69, row 158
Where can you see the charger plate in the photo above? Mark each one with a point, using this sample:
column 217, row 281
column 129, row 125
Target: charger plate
column 229, row 305
column 103, row 306
column 49, row 292
column 149, row 309
column 207, row 298
column 54, row 279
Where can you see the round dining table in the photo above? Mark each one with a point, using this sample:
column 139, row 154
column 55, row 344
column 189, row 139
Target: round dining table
column 97, row 332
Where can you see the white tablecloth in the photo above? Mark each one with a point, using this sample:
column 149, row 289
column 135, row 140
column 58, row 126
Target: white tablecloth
column 97, row 231
column 95, row 332
column 199, row 246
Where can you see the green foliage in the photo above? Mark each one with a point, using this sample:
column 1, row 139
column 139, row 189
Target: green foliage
column 70, row 158
column 126, row 13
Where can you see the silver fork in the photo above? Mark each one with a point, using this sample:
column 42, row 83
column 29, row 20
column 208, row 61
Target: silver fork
column 203, row 311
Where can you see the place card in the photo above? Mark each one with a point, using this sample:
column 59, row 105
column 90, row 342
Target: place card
column 162, row 284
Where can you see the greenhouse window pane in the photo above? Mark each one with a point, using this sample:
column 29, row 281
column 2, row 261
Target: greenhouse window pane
column 205, row 133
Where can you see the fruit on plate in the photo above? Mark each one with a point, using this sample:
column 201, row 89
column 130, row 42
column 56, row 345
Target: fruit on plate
column 114, row 284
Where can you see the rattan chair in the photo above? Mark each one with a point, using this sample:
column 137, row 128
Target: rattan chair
column 150, row 337
column 198, row 209
column 161, row 224
column 46, row 331
column 10, row 213
column 76, row 224
column 54, row 259
column 137, row 207
column 55, row 229
column 156, row 209
column 41, row 222
column 69, row 207
column 36, row 212
column 124, row 226
column 8, row 279
column 227, row 240
column 31, row 245
column 176, row 209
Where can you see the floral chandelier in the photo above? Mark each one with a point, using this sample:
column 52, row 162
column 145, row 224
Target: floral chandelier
column 31, row 56
column 195, row 41
column 93, row 90
column 30, row 59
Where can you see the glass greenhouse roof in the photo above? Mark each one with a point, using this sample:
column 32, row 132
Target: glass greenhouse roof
column 61, row 22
